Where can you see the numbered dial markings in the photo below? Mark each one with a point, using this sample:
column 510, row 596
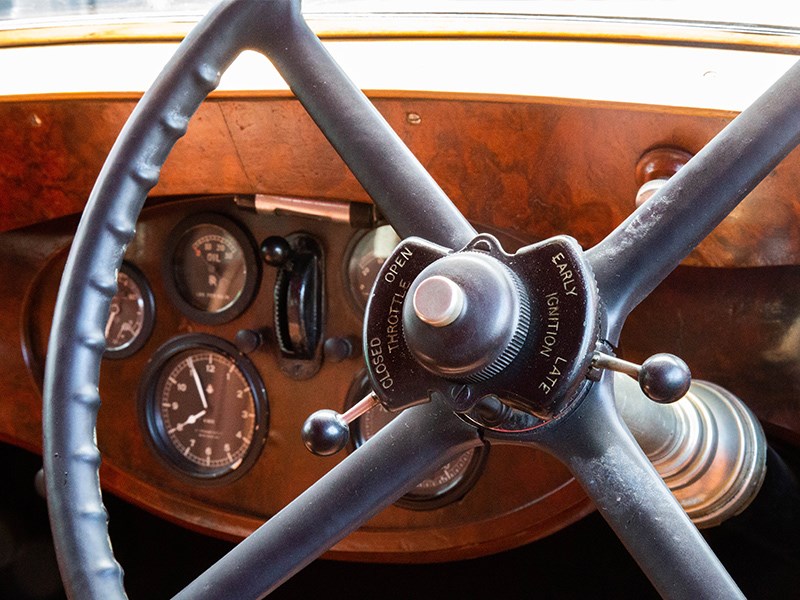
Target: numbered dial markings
column 212, row 271
column 130, row 318
column 204, row 411
column 207, row 409
column 366, row 259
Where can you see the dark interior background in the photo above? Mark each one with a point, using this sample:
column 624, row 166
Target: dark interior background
column 760, row 548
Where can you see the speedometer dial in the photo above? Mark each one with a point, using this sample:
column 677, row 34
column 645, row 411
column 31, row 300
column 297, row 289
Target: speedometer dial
column 204, row 407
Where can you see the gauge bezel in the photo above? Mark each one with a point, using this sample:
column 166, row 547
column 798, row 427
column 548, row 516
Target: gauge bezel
column 352, row 245
column 152, row 423
column 412, row 500
column 149, row 317
column 249, row 253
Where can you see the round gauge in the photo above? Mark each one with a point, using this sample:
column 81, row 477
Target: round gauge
column 366, row 258
column 204, row 407
column 132, row 313
column 213, row 271
column 445, row 485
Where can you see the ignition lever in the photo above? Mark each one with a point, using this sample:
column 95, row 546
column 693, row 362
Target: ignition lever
column 664, row 378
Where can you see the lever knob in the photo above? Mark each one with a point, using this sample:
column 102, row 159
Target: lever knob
column 276, row 251
column 326, row 432
column 664, row 378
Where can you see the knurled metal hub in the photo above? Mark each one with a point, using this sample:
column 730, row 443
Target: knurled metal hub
column 542, row 333
column 491, row 325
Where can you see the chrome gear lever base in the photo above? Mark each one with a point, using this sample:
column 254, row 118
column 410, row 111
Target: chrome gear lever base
column 708, row 447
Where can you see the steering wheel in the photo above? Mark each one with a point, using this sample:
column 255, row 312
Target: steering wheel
column 580, row 426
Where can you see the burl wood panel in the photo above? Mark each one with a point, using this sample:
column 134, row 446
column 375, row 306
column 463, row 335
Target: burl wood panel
column 536, row 167
column 701, row 314
column 739, row 328
column 522, row 494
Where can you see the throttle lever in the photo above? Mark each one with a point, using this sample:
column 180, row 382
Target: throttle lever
column 326, row 432
column 299, row 299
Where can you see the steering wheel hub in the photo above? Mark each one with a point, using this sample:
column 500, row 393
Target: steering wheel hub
column 464, row 325
column 468, row 317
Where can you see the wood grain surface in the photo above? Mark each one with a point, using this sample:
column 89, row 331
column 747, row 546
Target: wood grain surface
column 532, row 169
column 521, row 495
column 535, row 167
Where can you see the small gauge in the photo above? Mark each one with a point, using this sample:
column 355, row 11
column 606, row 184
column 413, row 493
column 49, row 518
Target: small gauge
column 213, row 271
column 366, row 258
column 445, row 485
column 204, row 407
column 132, row 313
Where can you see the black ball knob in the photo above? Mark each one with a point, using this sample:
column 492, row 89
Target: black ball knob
column 337, row 349
column 248, row 341
column 325, row 432
column 275, row 251
column 665, row 378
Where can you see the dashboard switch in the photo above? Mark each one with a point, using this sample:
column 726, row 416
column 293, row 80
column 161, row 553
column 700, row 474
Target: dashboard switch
column 248, row 340
column 275, row 251
column 299, row 300
column 340, row 348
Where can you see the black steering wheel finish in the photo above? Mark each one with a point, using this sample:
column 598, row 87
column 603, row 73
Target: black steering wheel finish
column 588, row 436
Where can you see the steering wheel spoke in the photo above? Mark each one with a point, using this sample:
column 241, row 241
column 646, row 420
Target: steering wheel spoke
column 367, row 481
column 602, row 454
column 399, row 185
column 634, row 258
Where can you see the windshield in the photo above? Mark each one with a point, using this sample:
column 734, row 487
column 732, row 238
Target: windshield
column 764, row 15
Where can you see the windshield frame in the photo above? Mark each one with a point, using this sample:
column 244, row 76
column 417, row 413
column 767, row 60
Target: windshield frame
column 174, row 26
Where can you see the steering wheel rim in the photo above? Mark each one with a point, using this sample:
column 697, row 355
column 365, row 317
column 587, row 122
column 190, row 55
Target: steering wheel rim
column 414, row 204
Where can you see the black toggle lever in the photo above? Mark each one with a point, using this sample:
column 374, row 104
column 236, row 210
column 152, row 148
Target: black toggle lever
column 664, row 378
column 326, row 432
column 299, row 299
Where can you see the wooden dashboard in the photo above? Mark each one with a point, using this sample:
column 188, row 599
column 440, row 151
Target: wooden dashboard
column 528, row 168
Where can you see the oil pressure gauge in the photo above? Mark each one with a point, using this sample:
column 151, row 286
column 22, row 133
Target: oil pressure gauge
column 204, row 407
column 212, row 271
column 131, row 315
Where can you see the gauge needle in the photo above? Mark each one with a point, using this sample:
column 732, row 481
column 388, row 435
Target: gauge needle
column 190, row 421
column 113, row 312
column 199, row 385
